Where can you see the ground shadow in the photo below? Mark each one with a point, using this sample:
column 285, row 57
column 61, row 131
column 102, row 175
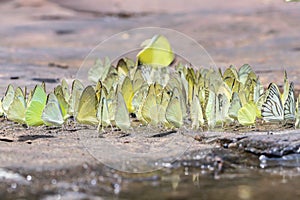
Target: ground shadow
column 24, row 138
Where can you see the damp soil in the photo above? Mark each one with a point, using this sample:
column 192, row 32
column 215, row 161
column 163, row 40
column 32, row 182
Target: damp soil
column 67, row 163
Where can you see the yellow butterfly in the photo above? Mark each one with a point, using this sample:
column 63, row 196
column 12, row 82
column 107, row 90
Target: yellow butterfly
column 157, row 52
column 63, row 103
column 77, row 88
column 87, row 107
column 231, row 78
column 122, row 68
column 247, row 114
column 17, row 108
column 174, row 114
column 137, row 101
column 122, row 116
column 36, row 105
column 150, row 109
column 127, row 93
column 65, row 90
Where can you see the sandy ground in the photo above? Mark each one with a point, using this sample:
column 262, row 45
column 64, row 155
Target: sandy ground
column 34, row 33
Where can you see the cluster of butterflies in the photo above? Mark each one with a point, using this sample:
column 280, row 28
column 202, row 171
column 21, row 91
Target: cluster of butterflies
column 131, row 95
column 153, row 91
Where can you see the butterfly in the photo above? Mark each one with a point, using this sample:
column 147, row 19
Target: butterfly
column 62, row 101
column 77, row 88
column 8, row 98
column 244, row 72
column 1, row 109
column 103, row 113
column 52, row 113
column 122, row 119
column 157, row 52
column 216, row 108
column 122, row 68
column 150, row 107
column 272, row 109
column 137, row 101
column 138, row 80
column 289, row 104
column 196, row 113
column 17, row 108
column 65, row 90
column 235, row 105
column 231, row 78
column 87, row 107
column 277, row 109
column 100, row 70
column 127, row 93
column 247, row 114
column 174, row 113
column 297, row 123
column 33, row 114
column 222, row 107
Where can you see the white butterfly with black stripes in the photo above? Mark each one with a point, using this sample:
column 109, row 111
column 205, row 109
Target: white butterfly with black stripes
column 273, row 109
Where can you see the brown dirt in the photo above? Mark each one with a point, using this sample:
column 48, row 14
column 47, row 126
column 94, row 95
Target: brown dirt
column 34, row 33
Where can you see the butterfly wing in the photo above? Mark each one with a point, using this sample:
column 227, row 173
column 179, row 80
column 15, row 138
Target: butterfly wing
column 87, row 107
column 17, row 109
column 100, row 70
column 63, row 104
column 157, row 52
column 8, row 98
column 127, row 93
column 150, row 108
column 243, row 73
column 102, row 112
column 297, row 123
column 174, row 112
column 65, row 90
column 289, row 105
column 122, row 116
column 272, row 109
column 33, row 114
column 77, row 88
column 52, row 113
column 235, row 105
column 196, row 113
column 210, row 109
column 247, row 114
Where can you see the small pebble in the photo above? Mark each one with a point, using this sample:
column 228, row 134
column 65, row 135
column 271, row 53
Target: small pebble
column 232, row 145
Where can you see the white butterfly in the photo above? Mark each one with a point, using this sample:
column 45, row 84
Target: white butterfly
column 273, row 110
column 289, row 105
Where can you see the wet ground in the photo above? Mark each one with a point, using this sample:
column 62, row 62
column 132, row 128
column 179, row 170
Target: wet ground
column 48, row 40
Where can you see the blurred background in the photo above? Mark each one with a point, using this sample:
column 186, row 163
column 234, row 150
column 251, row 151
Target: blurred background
column 48, row 39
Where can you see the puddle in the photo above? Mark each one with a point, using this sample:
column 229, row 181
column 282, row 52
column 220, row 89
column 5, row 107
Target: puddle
column 193, row 182
column 291, row 160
